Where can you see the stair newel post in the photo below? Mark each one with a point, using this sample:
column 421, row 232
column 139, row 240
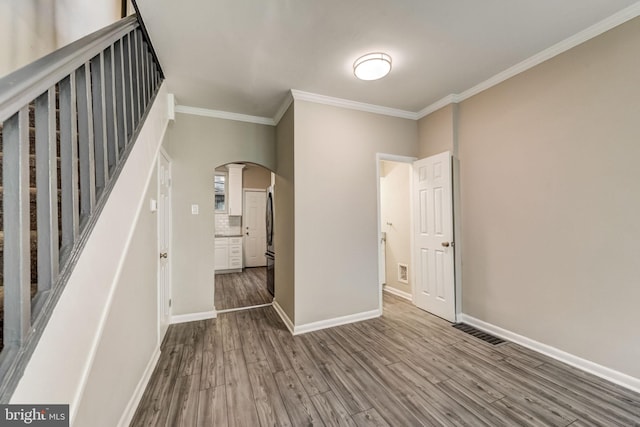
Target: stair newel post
column 17, row 245
column 69, row 164
column 47, row 189
column 99, row 121
column 85, row 143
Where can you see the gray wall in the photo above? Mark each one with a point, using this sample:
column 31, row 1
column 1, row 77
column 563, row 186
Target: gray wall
column 436, row 132
column 336, row 226
column 132, row 322
column 284, row 232
column 549, row 191
column 197, row 145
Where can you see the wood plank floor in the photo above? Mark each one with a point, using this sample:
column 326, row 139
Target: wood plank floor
column 406, row 368
column 246, row 289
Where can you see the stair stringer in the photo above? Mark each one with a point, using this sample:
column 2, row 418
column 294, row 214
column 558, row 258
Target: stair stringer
column 61, row 363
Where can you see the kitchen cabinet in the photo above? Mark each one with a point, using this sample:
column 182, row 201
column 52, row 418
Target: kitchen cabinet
column 228, row 254
column 235, row 252
column 221, row 254
column 234, row 189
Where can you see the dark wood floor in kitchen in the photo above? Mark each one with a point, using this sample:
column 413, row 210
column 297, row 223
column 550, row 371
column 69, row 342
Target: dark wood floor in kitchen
column 246, row 289
column 407, row 368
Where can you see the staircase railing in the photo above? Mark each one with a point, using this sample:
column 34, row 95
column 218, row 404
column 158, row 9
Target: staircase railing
column 68, row 121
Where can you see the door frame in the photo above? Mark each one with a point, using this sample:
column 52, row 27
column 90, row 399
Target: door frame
column 399, row 159
column 168, row 295
column 244, row 212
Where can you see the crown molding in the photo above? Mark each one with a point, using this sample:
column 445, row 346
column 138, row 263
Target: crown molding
column 299, row 95
column 196, row 111
column 593, row 31
column 283, row 108
column 449, row 99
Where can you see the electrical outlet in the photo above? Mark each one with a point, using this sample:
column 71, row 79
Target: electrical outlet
column 195, row 210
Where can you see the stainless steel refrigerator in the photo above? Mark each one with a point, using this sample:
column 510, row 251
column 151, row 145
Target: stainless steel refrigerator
column 270, row 254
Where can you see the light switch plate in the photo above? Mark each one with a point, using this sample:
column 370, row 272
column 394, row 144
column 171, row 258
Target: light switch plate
column 195, row 210
column 153, row 205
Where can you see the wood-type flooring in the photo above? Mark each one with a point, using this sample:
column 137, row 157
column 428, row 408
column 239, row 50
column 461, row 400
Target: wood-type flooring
column 246, row 289
column 406, row 368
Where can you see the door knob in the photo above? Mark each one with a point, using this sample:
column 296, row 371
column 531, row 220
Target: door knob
column 163, row 255
column 445, row 244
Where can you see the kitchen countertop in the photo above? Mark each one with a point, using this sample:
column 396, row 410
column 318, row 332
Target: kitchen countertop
column 228, row 235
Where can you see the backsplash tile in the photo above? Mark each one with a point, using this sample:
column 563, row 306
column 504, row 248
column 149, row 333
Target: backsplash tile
column 226, row 224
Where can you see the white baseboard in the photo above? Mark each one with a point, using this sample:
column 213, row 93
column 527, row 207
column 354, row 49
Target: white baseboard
column 192, row 317
column 609, row 374
column 336, row 321
column 130, row 411
column 288, row 323
column 398, row 292
column 250, row 307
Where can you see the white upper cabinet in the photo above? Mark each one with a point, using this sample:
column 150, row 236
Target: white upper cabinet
column 234, row 189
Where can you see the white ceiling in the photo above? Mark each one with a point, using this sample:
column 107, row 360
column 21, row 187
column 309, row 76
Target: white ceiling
column 243, row 56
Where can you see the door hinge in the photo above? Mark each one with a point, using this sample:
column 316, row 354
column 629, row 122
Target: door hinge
column 169, row 182
column 169, row 302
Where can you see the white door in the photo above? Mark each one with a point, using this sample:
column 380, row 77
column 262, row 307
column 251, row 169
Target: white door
column 164, row 241
column 255, row 228
column 433, row 236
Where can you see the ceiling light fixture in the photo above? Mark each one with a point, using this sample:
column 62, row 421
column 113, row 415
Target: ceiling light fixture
column 372, row 66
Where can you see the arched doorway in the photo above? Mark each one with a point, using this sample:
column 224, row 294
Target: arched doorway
column 240, row 193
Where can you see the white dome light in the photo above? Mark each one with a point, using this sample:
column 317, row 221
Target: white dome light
column 372, row 66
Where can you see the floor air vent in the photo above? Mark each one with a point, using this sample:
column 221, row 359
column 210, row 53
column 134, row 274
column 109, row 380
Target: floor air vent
column 478, row 333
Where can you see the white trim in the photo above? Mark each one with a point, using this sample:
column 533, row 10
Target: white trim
column 398, row 292
column 336, row 321
column 192, row 317
column 449, row 99
column 218, row 114
column 130, row 411
column 587, row 34
column 231, row 310
column 287, row 322
column 608, row 374
column 283, row 108
column 299, row 95
column 171, row 106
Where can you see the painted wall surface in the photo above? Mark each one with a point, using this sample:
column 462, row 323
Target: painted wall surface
column 197, row 145
column 395, row 213
column 254, row 176
column 436, row 132
column 550, row 183
column 132, row 322
column 336, row 224
column 27, row 31
column 82, row 313
column 284, row 231
column 78, row 18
